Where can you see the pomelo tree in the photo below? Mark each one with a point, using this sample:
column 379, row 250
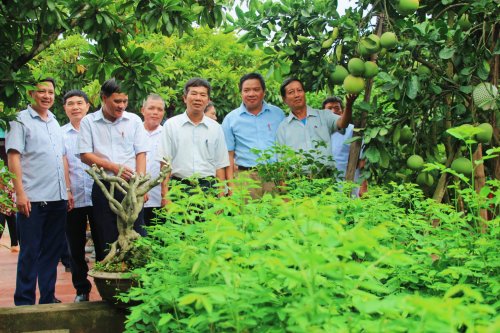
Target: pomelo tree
column 425, row 80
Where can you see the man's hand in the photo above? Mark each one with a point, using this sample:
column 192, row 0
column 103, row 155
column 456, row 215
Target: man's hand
column 126, row 174
column 23, row 204
column 350, row 98
column 71, row 201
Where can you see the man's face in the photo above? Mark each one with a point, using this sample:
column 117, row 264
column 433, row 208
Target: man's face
column 153, row 113
column 295, row 97
column 335, row 107
column 196, row 99
column 76, row 108
column 252, row 94
column 43, row 96
column 210, row 113
column 114, row 106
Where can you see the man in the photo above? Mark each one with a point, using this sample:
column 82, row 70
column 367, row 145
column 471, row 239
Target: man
column 76, row 105
column 210, row 111
column 194, row 143
column 340, row 150
column 112, row 139
column 35, row 155
column 153, row 110
column 252, row 125
column 305, row 126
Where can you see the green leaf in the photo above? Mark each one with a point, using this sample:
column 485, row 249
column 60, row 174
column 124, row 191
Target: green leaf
column 447, row 53
column 413, row 87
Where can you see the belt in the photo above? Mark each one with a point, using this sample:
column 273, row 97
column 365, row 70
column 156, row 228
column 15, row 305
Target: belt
column 244, row 168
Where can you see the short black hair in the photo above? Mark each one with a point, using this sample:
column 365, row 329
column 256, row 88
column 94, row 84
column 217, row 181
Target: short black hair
column 332, row 99
column 197, row 82
column 73, row 93
column 252, row 76
column 286, row 83
column 110, row 87
column 210, row 104
column 47, row 79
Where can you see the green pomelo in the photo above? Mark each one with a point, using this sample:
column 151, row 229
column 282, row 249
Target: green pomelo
column 484, row 95
column 462, row 165
column 371, row 69
column 339, row 74
column 356, row 66
column 425, row 179
column 464, row 23
column 406, row 135
column 388, row 40
column 406, row 7
column 415, row 162
column 423, row 70
column 354, row 84
column 486, row 133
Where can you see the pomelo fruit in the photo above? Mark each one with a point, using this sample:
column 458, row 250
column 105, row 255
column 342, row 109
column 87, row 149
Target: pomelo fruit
column 415, row 162
column 484, row 95
column 464, row 23
column 423, row 70
column 354, row 84
column 425, row 179
column 486, row 133
column 371, row 43
column 362, row 51
column 371, row 69
column 356, row 66
column 388, row 40
column 462, row 165
column 406, row 7
column 339, row 74
column 405, row 135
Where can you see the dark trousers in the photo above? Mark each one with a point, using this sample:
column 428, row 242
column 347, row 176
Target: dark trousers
column 107, row 232
column 150, row 217
column 41, row 238
column 76, row 234
column 11, row 222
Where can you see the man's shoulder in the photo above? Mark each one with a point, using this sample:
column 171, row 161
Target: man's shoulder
column 132, row 116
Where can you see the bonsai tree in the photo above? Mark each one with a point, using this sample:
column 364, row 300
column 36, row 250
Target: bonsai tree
column 122, row 250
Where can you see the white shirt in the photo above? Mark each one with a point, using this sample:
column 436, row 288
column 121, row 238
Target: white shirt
column 153, row 166
column 81, row 182
column 193, row 149
column 119, row 141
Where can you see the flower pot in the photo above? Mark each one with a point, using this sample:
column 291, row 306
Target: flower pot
column 111, row 284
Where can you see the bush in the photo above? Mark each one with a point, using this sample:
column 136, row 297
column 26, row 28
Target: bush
column 391, row 262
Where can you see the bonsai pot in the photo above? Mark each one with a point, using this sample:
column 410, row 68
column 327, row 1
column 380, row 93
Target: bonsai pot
column 111, row 284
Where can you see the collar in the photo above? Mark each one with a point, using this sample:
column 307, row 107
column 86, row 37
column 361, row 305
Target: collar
column 35, row 114
column 99, row 116
column 156, row 131
column 310, row 112
column 185, row 119
column 69, row 128
column 265, row 108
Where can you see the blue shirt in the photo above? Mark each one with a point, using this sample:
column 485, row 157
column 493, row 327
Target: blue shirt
column 40, row 144
column 244, row 131
column 319, row 127
column 81, row 182
column 119, row 141
column 340, row 150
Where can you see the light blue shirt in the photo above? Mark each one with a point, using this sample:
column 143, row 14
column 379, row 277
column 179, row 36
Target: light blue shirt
column 153, row 166
column 319, row 127
column 340, row 150
column 244, row 131
column 81, row 182
column 40, row 144
column 119, row 141
column 193, row 149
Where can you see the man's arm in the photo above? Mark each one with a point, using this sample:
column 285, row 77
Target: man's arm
column 22, row 201
column 345, row 119
column 140, row 163
column 164, row 188
column 71, row 201
column 92, row 158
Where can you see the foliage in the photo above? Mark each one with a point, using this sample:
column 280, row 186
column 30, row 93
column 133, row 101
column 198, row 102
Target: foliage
column 5, row 182
column 30, row 27
column 393, row 261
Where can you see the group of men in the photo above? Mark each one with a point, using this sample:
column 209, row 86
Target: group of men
column 49, row 162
